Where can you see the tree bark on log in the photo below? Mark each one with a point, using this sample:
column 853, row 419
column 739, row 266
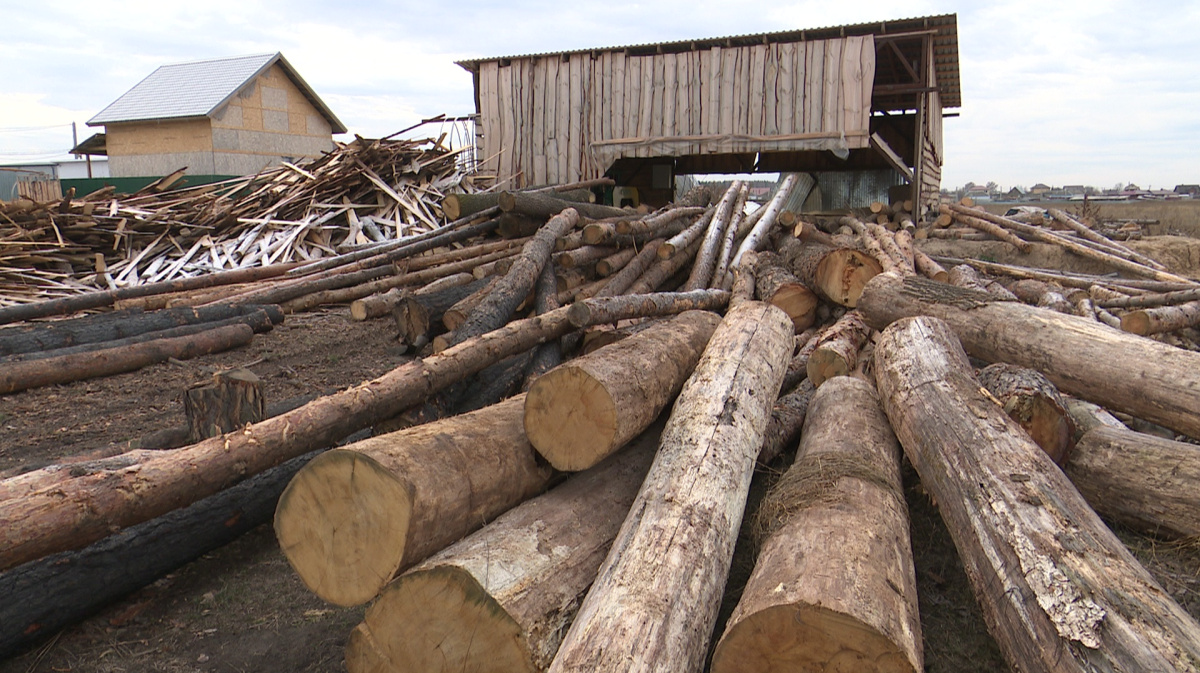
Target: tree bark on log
column 836, row 352
column 1029, row 398
column 516, row 225
column 18, row 376
column 455, row 315
column 85, row 509
column 969, row 217
column 458, row 206
column 617, row 261
column 1140, row 481
column 499, row 305
column 546, row 206
column 258, row 318
column 777, row 286
column 688, row 236
column 929, row 268
column 654, row 602
column 834, row 586
column 1081, row 357
column 766, row 220
column 379, row 305
column 45, row 595
column 585, row 410
column 787, row 420
column 454, row 612
column 113, row 326
column 356, row 515
column 83, row 302
column 710, row 244
column 1161, row 319
column 837, row 274
column 658, row 272
column 1039, row 293
column 1059, row 591
column 966, row 276
column 548, row 355
column 1080, row 228
column 734, row 230
column 1149, row 300
column 417, row 312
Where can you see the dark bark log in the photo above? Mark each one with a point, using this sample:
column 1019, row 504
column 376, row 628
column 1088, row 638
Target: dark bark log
column 516, row 225
column 379, row 305
column 418, row 312
column 545, row 206
column 548, row 355
column 17, row 376
column 787, row 420
column 118, row 325
column 500, row 304
column 1059, row 591
column 457, row 314
column 45, row 595
column 624, row 279
column 1081, row 357
column 457, row 206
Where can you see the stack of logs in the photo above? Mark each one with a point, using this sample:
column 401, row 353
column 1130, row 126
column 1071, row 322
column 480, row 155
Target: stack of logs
column 597, row 385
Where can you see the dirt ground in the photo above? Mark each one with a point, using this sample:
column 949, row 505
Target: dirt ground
column 241, row 608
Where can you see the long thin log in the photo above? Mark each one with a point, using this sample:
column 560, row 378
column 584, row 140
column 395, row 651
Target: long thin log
column 1074, row 246
column 500, row 304
column 83, row 302
column 379, row 305
column 1150, row 300
column 1083, row 230
column 1145, row 482
column 734, row 230
column 974, row 220
column 659, row 271
column 685, row 238
column 83, row 510
column 355, row 516
column 546, row 206
column 18, row 376
column 757, row 236
column 583, row 411
column 1161, row 319
column 548, row 355
column 1066, row 279
column 651, row 226
column 834, row 581
column 677, row 542
column 454, row 612
column 1059, row 591
column 1081, row 357
column 706, row 257
column 617, row 261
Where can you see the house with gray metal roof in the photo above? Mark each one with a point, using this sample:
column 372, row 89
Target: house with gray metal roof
column 230, row 116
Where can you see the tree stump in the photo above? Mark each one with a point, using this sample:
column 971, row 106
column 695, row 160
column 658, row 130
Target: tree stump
column 233, row 400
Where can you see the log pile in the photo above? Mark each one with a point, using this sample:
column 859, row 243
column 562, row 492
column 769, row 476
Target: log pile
column 729, row 343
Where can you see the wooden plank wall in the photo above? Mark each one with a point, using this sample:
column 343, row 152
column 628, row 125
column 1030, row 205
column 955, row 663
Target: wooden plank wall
column 562, row 118
column 931, row 147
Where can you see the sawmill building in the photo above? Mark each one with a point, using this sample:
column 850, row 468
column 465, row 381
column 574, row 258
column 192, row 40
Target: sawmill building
column 858, row 106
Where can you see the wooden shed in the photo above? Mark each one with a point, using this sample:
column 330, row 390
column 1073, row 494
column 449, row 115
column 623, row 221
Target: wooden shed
column 232, row 116
column 864, row 97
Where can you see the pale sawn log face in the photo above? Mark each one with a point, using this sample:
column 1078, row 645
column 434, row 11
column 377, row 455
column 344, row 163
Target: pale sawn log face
column 1058, row 590
column 654, row 602
column 834, row 586
column 348, row 522
column 586, row 409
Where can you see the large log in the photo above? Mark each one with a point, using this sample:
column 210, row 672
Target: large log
column 456, row 612
column 113, row 326
column 1059, row 591
column 457, row 206
column 18, row 376
column 85, row 509
column 499, row 305
column 417, row 313
column 836, row 273
column 834, row 586
column 1145, row 482
column 1030, row 399
column 356, row 515
column 1161, row 318
column 653, row 605
column 1080, row 356
column 45, row 595
column 584, row 410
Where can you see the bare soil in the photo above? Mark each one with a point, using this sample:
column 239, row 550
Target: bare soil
column 241, row 608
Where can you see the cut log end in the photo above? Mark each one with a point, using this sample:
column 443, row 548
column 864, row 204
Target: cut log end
column 799, row 303
column 438, row 619
column 568, row 439
column 844, row 273
column 807, row 638
column 342, row 524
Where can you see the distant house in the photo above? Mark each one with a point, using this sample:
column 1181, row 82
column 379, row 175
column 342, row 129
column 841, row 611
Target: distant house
column 1074, row 190
column 232, row 116
column 1191, row 190
column 1039, row 189
column 1014, row 194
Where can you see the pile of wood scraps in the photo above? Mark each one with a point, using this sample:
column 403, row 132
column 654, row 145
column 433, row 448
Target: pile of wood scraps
column 362, row 192
column 594, row 391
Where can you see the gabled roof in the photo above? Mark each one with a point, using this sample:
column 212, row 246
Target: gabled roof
column 199, row 88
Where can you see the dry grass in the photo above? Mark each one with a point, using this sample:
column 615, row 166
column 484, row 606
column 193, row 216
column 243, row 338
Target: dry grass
column 1181, row 218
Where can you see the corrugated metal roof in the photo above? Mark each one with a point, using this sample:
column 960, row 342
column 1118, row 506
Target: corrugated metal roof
column 945, row 46
column 198, row 88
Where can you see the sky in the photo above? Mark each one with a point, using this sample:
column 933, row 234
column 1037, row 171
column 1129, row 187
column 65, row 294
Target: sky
column 1091, row 92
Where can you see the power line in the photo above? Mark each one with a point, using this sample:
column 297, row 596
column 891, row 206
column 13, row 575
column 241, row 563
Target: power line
column 22, row 129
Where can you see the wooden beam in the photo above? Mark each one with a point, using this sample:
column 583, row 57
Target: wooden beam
column 891, row 156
